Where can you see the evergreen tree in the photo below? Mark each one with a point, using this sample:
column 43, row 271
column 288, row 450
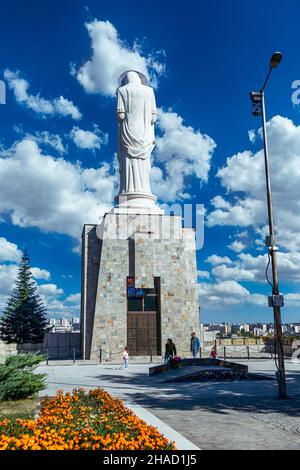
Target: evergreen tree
column 24, row 319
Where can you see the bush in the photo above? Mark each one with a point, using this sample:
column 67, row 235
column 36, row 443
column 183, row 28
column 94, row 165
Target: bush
column 17, row 379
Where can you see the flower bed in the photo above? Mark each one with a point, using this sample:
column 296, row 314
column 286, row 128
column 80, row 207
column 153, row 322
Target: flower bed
column 82, row 420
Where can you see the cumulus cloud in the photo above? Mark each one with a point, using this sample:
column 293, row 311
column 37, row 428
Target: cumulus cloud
column 244, row 174
column 57, row 307
column 237, row 246
column 181, row 151
column 242, row 213
column 292, row 300
column 56, row 303
column 49, row 290
column 236, row 273
column 288, row 265
column 110, row 57
column 45, row 138
column 216, row 259
column 9, row 251
column 8, row 274
column 203, row 274
column 39, row 273
column 50, row 193
column 73, row 298
column 224, row 293
column 44, row 107
column 243, row 178
column 89, row 140
column 252, row 268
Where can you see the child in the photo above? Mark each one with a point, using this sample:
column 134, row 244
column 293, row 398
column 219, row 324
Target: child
column 125, row 357
column 213, row 353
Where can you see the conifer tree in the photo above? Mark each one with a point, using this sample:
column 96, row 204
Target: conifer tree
column 24, row 318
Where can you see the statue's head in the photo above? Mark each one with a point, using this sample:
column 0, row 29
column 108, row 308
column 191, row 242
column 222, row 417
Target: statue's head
column 133, row 77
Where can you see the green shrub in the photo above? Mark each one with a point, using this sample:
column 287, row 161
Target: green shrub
column 17, row 377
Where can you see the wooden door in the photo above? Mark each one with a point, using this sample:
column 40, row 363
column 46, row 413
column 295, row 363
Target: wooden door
column 142, row 333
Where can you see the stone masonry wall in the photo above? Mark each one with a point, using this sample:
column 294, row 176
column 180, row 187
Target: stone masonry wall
column 162, row 248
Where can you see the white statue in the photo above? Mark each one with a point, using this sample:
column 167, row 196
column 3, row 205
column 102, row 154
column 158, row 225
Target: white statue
column 136, row 111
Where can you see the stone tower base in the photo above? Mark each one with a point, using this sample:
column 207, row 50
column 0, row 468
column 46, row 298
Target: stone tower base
column 155, row 251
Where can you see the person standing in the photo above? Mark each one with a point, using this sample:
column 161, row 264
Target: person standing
column 125, row 357
column 195, row 344
column 170, row 351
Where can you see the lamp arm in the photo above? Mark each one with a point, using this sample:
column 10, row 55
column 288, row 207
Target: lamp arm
column 266, row 80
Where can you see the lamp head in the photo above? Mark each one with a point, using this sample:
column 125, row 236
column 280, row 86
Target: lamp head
column 275, row 59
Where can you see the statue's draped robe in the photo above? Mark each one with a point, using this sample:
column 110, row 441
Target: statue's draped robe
column 136, row 136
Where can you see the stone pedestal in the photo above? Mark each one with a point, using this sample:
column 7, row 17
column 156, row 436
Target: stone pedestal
column 151, row 248
column 136, row 203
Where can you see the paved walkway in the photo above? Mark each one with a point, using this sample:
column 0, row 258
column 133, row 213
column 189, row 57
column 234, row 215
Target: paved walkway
column 213, row 415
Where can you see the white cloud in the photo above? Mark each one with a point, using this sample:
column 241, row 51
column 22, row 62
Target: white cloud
column 223, row 293
column 288, row 266
column 9, row 251
column 219, row 295
column 244, row 173
column 110, row 57
column 243, row 178
column 73, row 298
column 182, row 151
column 49, row 290
column 56, row 303
column 39, row 273
column 292, row 300
column 216, row 259
column 252, row 268
column 252, row 136
column 55, row 107
column 237, row 246
column 89, row 139
column 243, row 213
column 50, row 193
column 203, row 274
column 43, row 138
column 236, row 273
column 219, row 203
column 46, row 138
column 58, row 308
column 8, row 274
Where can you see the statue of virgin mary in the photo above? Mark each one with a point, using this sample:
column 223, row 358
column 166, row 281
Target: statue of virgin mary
column 136, row 112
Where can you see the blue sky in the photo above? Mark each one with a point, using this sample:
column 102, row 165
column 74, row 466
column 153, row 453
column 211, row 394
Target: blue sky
column 60, row 61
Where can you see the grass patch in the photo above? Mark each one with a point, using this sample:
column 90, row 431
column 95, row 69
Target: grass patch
column 22, row 409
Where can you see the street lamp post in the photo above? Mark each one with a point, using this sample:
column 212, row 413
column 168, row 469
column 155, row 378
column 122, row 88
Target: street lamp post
column 276, row 300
